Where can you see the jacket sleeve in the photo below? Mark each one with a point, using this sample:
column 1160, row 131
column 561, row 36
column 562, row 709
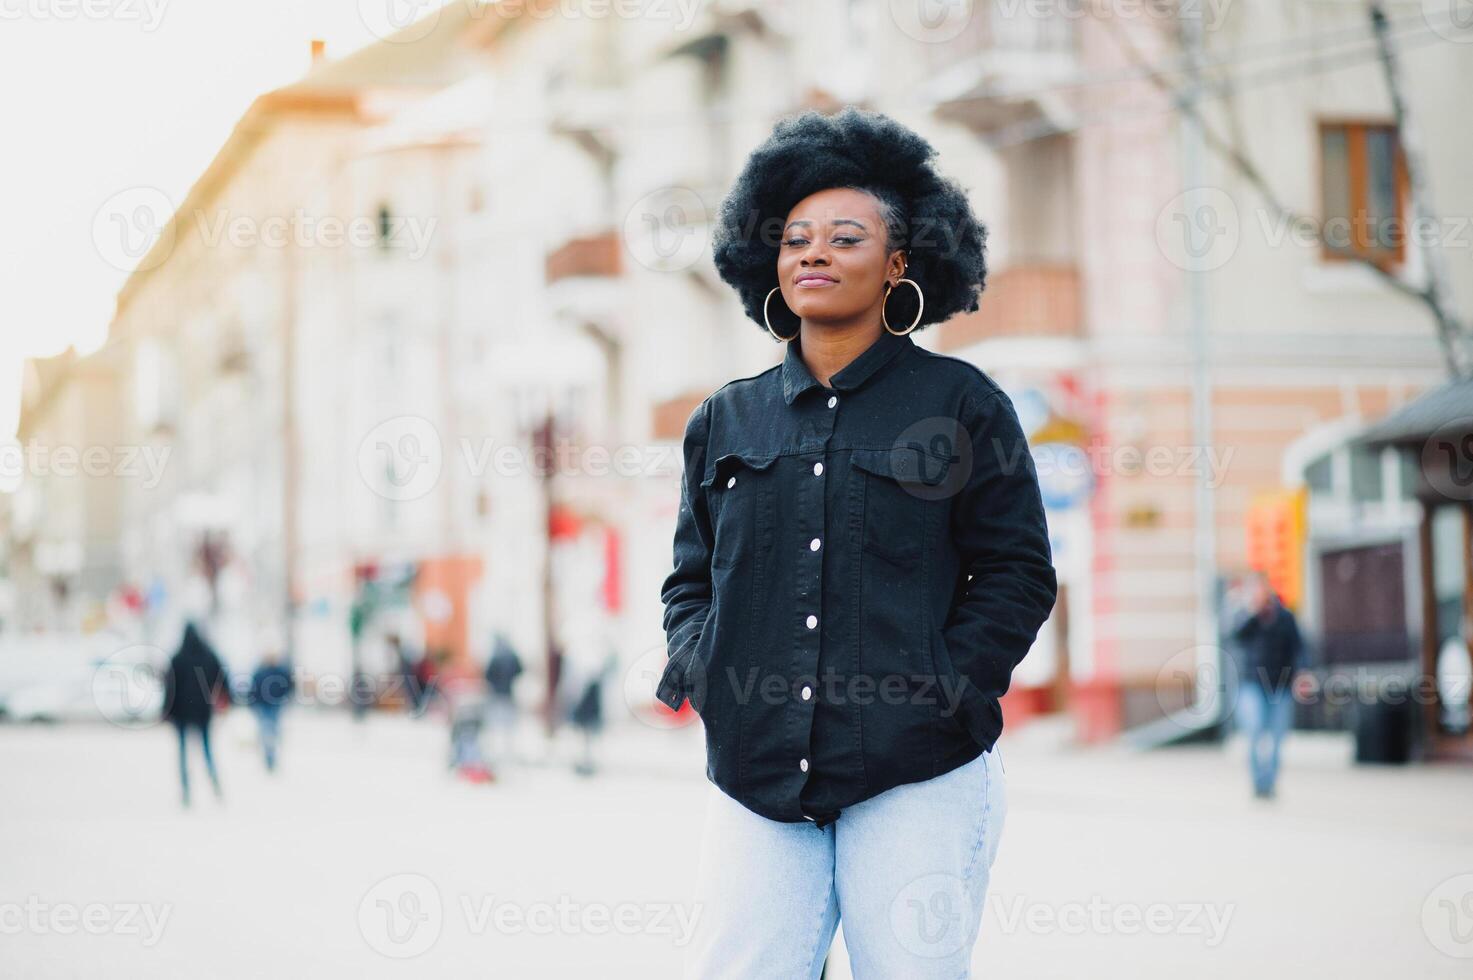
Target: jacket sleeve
column 1001, row 532
column 1299, row 660
column 686, row 591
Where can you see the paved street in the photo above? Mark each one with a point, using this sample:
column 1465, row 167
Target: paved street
column 362, row 858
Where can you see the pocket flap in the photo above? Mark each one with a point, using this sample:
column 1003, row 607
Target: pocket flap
column 908, row 464
column 729, row 463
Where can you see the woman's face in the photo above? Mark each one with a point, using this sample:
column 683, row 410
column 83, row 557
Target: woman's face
column 832, row 262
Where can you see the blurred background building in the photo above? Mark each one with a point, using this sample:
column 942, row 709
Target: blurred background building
column 406, row 277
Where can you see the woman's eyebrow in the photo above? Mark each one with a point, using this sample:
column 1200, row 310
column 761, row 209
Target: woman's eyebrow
column 837, row 221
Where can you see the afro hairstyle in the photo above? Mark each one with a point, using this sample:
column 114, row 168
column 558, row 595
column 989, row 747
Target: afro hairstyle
column 926, row 214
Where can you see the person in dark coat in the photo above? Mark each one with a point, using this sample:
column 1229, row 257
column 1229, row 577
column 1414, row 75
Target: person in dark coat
column 193, row 684
column 271, row 688
column 1272, row 652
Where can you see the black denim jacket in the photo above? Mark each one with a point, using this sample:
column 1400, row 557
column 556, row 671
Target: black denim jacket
column 858, row 568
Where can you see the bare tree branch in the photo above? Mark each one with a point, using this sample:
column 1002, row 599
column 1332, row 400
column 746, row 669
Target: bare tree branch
column 1451, row 333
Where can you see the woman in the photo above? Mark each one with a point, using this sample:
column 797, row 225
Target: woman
column 193, row 683
column 860, row 560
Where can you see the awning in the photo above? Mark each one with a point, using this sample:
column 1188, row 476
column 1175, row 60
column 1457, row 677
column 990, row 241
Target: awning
column 1448, row 409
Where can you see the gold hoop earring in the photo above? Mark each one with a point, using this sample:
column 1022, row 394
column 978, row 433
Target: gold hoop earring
column 885, row 320
column 769, row 322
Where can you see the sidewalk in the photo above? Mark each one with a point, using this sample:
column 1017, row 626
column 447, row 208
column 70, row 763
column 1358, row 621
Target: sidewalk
column 364, row 858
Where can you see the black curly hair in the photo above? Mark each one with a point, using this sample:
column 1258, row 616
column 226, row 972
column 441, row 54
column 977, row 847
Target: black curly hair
column 925, row 213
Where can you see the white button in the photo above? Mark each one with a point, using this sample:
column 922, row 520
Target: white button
column 803, row 764
column 817, row 468
column 807, row 692
column 813, row 545
column 833, row 400
column 812, row 620
column 731, row 482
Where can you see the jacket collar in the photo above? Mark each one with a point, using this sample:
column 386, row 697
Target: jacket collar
column 798, row 379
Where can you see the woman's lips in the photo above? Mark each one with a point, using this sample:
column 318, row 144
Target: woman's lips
column 813, row 282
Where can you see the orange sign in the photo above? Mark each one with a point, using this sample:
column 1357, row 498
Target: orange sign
column 1276, row 532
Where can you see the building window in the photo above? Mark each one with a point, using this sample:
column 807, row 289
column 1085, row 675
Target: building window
column 1362, row 187
column 1320, row 476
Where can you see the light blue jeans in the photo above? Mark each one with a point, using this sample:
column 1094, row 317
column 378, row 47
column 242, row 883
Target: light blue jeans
column 907, row 869
column 1267, row 717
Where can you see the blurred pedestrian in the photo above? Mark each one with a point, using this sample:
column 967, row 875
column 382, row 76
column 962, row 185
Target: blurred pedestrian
column 426, row 669
column 585, row 699
column 194, row 684
column 1454, row 682
column 502, row 671
column 1272, row 655
column 271, row 687
column 463, row 696
column 404, row 670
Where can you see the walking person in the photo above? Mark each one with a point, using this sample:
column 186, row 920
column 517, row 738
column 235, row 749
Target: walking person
column 271, row 688
column 861, row 558
column 193, row 684
column 502, row 670
column 1272, row 657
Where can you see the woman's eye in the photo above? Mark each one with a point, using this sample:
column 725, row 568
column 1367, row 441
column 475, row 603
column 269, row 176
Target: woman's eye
column 850, row 239
column 794, row 241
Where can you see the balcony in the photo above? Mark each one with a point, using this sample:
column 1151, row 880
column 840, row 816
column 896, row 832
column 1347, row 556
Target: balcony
column 670, row 415
column 593, row 255
column 1029, row 300
column 995, row 75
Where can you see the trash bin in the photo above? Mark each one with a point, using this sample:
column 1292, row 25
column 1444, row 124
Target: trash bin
column 1384, row 726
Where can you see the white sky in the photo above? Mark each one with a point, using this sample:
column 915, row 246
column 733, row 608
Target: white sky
column 101, row 96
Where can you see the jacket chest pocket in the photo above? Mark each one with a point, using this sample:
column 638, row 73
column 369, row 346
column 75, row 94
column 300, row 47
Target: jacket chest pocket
column 897, row 489
column 740, row 492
